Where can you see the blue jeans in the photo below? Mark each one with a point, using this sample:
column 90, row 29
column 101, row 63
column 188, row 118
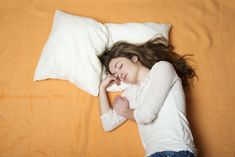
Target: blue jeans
column 184, row 153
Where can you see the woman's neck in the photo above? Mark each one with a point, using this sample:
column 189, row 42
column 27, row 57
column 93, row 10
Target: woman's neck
column 143, row 71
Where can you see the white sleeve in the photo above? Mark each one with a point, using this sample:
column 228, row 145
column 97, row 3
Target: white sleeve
column 162, row 79
column 111, row 119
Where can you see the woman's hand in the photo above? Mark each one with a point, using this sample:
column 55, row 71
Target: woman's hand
column 121, row 105
column 109, row 81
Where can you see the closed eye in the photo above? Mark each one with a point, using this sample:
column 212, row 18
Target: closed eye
column 120, row 66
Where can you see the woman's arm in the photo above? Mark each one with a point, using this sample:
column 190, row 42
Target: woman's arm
column 122, row 108
column 103, row 100
column 109, row 118
column 129, row 114
column 162, row 79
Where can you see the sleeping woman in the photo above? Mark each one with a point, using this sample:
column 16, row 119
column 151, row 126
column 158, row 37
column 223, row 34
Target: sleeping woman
column 155, row 99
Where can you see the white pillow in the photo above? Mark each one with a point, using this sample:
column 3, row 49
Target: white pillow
column 135, row 33
column 74, row 43
column 71, row 50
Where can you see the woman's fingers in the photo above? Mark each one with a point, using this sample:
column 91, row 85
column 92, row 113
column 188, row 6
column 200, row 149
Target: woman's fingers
column 117, row 98
column 117, row 80
column 125, row 98
column 120, row 98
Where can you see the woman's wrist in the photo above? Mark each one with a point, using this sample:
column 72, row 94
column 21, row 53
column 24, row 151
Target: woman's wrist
column 102, row 88
column 129, row 114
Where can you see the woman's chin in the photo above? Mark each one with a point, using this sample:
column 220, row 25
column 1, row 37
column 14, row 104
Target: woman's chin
column 128, row 82
column 125, row 82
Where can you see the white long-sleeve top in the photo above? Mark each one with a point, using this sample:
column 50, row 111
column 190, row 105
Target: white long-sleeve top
column 159, row 103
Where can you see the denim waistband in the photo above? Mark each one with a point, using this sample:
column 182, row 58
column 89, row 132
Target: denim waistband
column 183, row 153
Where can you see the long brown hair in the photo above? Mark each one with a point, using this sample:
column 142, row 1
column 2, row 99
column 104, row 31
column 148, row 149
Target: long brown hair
column 149, row 53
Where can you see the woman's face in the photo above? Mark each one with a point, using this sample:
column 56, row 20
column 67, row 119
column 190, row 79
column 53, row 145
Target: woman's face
column 124, row 69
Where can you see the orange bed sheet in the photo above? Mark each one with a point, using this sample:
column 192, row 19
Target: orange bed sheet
column 53, row 118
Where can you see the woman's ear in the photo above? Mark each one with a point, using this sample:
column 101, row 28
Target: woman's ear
column 135, row 58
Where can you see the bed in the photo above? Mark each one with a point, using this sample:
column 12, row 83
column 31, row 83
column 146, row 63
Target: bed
column 54, row 118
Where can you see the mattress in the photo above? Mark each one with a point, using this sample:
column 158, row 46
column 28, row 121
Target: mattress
column 54, row 118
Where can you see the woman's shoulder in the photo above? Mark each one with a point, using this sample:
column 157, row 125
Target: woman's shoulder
column 163, row 69
column 161, row 63
column 162, row 66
